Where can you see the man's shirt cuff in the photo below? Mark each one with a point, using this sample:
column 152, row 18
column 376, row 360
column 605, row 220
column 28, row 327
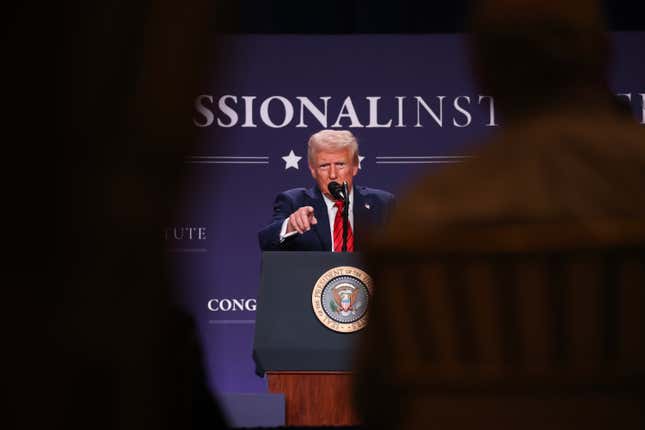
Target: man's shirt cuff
column 283, row 231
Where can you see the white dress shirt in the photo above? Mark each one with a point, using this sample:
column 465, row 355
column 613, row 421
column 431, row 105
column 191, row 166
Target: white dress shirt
column 331, row 214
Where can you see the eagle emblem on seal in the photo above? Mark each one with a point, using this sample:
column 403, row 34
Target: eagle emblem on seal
column 345, row 300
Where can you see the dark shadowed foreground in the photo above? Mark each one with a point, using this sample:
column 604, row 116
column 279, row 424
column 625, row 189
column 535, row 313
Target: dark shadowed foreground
column 509, row 289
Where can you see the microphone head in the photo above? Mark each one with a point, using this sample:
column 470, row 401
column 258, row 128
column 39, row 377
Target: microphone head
column 336, row 190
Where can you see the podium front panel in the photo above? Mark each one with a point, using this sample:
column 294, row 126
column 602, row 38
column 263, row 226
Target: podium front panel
column 288, row 334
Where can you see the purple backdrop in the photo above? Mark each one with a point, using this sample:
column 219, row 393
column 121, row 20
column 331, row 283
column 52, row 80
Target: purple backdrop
column 420, row 83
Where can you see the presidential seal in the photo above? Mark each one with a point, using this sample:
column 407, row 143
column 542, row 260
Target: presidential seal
column 340, row 298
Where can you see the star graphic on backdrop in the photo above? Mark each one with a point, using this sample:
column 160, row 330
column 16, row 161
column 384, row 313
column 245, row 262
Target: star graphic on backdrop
column 360, row 159
column 291, row 160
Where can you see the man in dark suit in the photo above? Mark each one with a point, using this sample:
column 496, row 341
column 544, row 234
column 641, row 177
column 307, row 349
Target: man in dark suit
column 309, row 219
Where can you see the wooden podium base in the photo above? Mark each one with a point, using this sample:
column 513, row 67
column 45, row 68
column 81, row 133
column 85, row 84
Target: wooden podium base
column 315, row 398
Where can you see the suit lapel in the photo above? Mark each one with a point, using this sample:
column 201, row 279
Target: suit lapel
column 366, row 215
column 320, row 211
column 362, row 215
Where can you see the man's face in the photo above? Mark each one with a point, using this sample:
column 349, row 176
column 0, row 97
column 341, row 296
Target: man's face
column 332, row 166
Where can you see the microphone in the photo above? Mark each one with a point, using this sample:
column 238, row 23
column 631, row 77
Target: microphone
column 337, row 191
column 341, row 192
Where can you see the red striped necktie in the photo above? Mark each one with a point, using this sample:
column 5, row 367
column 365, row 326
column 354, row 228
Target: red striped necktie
column 338, row 230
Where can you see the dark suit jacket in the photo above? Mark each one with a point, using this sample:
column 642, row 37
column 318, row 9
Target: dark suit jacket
column 371, row 207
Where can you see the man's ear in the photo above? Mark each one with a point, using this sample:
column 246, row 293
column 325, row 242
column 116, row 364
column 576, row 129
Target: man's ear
column 312, row 170
column 354, row 169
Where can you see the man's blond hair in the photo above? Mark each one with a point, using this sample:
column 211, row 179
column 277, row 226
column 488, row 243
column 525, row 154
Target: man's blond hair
column 332, row 140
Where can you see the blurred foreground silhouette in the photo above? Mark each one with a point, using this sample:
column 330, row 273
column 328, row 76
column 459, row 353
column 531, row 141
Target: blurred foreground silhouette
column 105, row 347
column 509, row 288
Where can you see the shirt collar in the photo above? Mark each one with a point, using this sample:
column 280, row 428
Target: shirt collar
column 332, row 203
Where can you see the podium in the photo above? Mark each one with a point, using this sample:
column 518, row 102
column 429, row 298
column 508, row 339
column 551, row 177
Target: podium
column 302, row 358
